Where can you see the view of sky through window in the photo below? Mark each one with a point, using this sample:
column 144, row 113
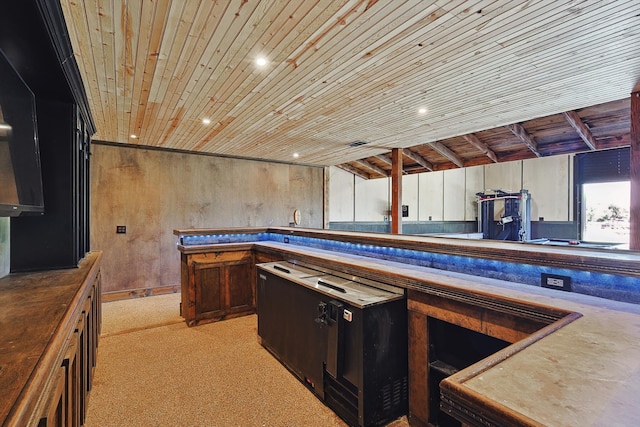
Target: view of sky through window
column 606, row 212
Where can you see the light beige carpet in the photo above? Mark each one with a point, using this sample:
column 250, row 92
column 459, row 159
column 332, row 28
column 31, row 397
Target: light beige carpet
column 140, row 313
column 155, row 371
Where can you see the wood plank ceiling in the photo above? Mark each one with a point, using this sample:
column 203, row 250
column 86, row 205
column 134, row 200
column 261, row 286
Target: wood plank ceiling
column 454, row 82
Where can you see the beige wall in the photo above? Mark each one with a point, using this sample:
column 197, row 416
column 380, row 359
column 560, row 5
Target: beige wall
column 410, row 195
column 153, row 192
column 431, row 196
column 550, row 182
column 473, row 184
column 450, row 195
column 341, row 191
column 372, row 199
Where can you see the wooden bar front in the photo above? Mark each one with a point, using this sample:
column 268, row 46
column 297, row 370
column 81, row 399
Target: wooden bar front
column 50, row 322
column 550, row 335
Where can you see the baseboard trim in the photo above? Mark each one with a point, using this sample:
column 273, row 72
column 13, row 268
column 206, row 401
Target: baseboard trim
column 139, row 293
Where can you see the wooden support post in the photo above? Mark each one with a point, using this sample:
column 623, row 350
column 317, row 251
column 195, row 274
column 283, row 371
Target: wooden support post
column 418, row 373
column 325, row 198
column 396, row 191
column 634, row 219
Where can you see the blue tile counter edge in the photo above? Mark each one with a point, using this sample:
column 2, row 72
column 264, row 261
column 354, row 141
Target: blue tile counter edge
column 611, row 286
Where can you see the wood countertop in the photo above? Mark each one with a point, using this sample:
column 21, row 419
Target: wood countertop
column 224, row 247
column 586, row 371
column 573, row 257
column 37, row 311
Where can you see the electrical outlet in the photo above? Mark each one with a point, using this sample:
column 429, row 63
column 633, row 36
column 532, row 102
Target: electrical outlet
column 556, row 281
column 121, row 229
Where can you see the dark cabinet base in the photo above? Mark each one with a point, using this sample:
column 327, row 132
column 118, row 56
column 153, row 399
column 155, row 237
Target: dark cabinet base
column 358, row 367
column 47, row 379
column 217, row 286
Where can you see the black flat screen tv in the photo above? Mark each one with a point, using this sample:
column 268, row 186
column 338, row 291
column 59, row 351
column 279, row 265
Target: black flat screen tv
column 20, row 174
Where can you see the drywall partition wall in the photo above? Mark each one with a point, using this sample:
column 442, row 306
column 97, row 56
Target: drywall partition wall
column 431, row 196
column 474, row 184
column 548, row 180
column 341, row 195
column 411, row 196
column 503, row 176
column 450, row 195
column 454, row 180
column 153, row 192
column 372, row 199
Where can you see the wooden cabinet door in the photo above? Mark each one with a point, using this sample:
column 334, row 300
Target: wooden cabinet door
column 219, row 285
column 239, row 286
column 55, row 412
column 71, row 364
column 209, row 290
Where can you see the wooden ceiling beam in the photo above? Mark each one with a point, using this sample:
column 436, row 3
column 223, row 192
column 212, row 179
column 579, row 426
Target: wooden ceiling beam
column 351, row 169
column 475, row 141
column 418, row 159
column 384, row 159
column 519, row 131
column 365, row 164
column 446, row 152
column 581, row 128
column 387, row 161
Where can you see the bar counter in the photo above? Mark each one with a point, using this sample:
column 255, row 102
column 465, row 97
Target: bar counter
column 49, row 328
column 582, row 368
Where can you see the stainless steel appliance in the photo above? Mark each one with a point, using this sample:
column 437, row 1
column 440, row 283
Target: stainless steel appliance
column 344, row 337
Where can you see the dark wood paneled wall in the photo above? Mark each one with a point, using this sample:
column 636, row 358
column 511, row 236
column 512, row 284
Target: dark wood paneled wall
column 34, row 38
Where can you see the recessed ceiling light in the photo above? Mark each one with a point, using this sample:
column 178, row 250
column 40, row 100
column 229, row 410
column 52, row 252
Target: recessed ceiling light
column 422, row 110
column 261, row 62
column 296, row 155
column 206, row 121
column 133, row 136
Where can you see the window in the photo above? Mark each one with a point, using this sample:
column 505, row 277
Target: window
column 602, row 190
column 606, row 207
